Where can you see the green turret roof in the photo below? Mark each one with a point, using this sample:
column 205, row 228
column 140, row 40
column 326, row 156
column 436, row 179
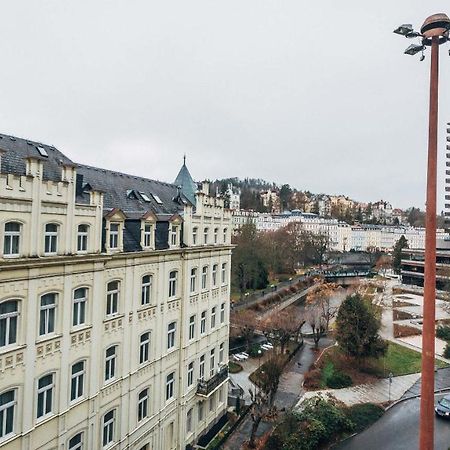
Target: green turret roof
column 185, row 181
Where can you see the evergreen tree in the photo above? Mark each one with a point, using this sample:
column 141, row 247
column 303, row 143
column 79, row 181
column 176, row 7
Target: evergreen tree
column 397, row 254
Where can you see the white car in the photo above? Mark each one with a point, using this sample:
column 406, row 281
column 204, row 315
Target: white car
column 238, row 357
column 266, row 347
column 243, row 356
column 268, row 344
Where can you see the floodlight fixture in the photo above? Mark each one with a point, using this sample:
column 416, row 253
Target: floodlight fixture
column 404, row 29
column 413, row 49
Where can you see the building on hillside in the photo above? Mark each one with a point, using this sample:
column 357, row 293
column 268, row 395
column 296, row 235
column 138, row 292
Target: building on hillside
column 234, row 196
column 271, row 200
column 382, row 211
column 114, row 306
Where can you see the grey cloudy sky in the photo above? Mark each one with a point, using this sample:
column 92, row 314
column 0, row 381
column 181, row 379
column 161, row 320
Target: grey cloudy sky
column 315, row 94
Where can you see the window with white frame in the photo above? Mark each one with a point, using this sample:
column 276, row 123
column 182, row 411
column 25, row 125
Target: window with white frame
column 11, row 239
column 200, row 410
column 47, row 314
column 205, row 236
column 213, row 317
column 112, row 298
column 82, row 238
column 173, row 235
column 146, row 292
column 143, row 405
column 79, row 306
column 224, row 273
column 194, row 235
column 203, row 322
column 204, row 277
column 170, row 385
column 216, row 235
column 171, row 329
column 148, row 235
column 214, row 275
column 193, row 279
column 221, row 352
column 189, row 421
column 212, row 362
column 77, row 380
column 110, row 362
column 8, row 404
column 76, row 443
column 225, row 234
column 45, row 387
column 190, row 374
column 9, row 316
column 114, row 229
column 108, row 428
column 144, row 348
column 173, row 275
column 201, row 368
column 222, row 313
column 192, row 327
column 51, row 239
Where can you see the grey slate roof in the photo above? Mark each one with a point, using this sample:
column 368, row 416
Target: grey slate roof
column 187, row 184
column 17, row 149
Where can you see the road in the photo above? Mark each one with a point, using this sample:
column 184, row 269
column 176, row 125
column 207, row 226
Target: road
column 398, row 429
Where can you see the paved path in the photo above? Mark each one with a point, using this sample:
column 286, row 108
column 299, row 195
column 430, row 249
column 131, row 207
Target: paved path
column 377, row 392
column 441, row 382
column 398, row 429
column 288, row 394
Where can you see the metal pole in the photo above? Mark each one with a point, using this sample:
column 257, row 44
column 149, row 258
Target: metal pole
column 426, row 437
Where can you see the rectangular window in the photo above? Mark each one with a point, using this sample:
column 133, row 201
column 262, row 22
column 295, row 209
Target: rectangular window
column 51, row 239
column 190, row 374
column 108, row 428
column 110, row 363
column 214, row 275
column 216, row 235
column 203, row 323
column 222, row 313
column 212, row 362
column 204, row 277
column 79, row 307
column 224, row 235
column 45, row 395
column 213, row 317
column 148, row 232
column 9, row 314
column 7, row 412
column 82, row 238
column 224, row 273
column 114, row 235
column 221, row 351
column 112, row 298
column 173, row 283
column 171, row 329
column 194, row 235
column 170, row 385
column 77, row 381
column 144, row 348
column 193, row 279
column 202, row 367
column 173, row 235
column 47, row 314
column 12, row 239
column 143, row 405
column 192, row 327
column 146, row 293
column 205, row 236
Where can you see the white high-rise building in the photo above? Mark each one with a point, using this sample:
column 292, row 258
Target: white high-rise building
column 114, row 306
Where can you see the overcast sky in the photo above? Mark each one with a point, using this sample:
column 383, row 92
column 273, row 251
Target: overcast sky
column 315, row 94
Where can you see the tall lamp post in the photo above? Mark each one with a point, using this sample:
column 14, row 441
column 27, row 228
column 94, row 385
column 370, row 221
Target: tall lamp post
column 434, row 31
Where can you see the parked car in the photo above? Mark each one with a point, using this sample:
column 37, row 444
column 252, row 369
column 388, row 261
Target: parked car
column 238, row 357
column 244, row 354
column 442, row 408
column 266, row 347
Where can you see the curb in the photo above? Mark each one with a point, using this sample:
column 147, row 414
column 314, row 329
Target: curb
column 401, row 400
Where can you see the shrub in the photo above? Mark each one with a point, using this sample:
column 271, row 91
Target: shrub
column 447, row 351
column 364, row 415
column 339, row 380
column 401, row 315
column 443, row 332
column 312, row 379
column 405, row 331
column 234, row 367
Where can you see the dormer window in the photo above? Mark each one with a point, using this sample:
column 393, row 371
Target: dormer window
column 173, row 235
column 114, row 229
column 148, row 235
column 174, row 231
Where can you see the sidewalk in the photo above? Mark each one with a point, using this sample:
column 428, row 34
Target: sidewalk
column 377, row 392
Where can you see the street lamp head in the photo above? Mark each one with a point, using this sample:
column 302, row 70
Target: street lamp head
column 404, row 30
column 437, row 25
column 413, row 49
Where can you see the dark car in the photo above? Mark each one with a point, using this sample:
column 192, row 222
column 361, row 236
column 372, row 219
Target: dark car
column 443, row 407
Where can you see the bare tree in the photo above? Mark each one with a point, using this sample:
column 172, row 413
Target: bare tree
column 245, row 323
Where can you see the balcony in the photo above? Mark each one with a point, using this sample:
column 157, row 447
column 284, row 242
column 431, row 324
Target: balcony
column 204, row 388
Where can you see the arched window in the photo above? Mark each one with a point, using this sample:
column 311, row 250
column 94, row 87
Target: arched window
column 143, row 405
column 82, row 238
column 108, row 428
column 214, row 275
column 9, row 316
column 111, row 363
column 216, row 235
column 173, row 275
column 112, row 298
column 204, row 277
column 78, row 372
column 8, row 404
column 51, row 239
column 45, row 388
column 76, row 443
column 144, row 348
column 47, row 314
column 146, row 295
column 225, row 233
column 79, row 306
column 205, row 236
column 193, row 279
column 11, row 242
column 194, row 235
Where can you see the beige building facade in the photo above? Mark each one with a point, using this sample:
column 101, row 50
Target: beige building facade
column 114, row 307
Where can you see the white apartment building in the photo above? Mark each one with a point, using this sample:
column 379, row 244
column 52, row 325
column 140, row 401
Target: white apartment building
column 343, row 237
column 114, row 307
